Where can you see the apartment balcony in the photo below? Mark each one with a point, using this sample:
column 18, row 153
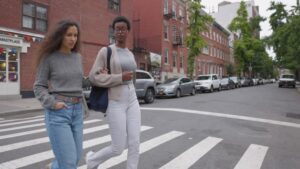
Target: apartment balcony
column 169, row 14
column 177, row 42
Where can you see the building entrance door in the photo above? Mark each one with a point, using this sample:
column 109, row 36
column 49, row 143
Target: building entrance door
column 9, row 71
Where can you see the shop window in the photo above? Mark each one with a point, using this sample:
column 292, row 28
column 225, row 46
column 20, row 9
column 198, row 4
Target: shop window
column 34, row 17
column 8, row 65
column 114, row 5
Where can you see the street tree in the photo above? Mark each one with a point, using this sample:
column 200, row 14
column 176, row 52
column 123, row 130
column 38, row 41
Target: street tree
column 285, row 37
column 199, row 21
column 277, row 40
column 248, row 49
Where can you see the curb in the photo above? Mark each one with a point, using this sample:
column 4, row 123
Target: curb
column 17, row 112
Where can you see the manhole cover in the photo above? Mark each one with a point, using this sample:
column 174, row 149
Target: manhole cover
column 293, row 115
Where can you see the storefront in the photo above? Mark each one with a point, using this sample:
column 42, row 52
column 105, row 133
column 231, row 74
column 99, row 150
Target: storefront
column 10, row 49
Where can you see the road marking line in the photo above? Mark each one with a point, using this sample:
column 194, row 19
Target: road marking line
column 193, row 154
column 145, row 146
column 253, row 157
column 34, row 131
column 46, row 155
column 20, row 122
column 230, row 116
column 22, row 127
column 28, row 143
column 13, row 120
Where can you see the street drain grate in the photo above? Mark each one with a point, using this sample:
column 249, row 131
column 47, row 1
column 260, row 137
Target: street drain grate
column 293, row 115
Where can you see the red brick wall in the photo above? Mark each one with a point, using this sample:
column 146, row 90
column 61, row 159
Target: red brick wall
column 93, row 16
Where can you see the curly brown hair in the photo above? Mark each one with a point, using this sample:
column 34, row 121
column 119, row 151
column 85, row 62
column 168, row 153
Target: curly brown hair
column 54, row 38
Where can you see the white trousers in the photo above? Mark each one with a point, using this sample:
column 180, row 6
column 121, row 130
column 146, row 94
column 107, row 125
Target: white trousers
column 124, row 119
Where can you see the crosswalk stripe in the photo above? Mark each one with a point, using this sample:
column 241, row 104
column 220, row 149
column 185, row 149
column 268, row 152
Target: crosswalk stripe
column 190, row 156
column 22, row 127
column 20, row 122
column 252, row 158
column 145, row 146
column 19, row 119
column 28, row 143
column 35, row 158
column 37, row 130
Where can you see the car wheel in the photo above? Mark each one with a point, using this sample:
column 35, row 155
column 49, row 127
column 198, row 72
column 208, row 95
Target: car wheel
column 178, row 93
column 193, row 92
column 279, row 86
column 211, row 89
column 149, row 97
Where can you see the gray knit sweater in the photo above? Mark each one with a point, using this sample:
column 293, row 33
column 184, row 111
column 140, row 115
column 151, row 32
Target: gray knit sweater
column 58, row 73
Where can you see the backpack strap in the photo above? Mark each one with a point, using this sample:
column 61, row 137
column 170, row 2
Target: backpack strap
column 108, row 56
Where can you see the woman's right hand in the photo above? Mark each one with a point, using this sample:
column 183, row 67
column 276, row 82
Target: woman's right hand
column 60, row 105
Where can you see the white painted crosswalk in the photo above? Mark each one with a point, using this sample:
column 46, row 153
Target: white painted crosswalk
column 252, row 158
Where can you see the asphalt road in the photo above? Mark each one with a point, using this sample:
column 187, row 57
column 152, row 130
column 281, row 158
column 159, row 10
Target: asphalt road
column 246, row 128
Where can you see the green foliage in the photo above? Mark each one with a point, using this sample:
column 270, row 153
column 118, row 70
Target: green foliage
column 230, row 69
column 249, row 51
column 198, row 22
column 285, row 37
column 240, row 22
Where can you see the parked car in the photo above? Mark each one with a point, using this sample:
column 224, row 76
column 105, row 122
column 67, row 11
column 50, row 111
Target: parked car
column 176, row 87
column 246, row 81
column 145, row 86
column 227, row 83
column 237, row 81
column 287, row 80
column 208, row 82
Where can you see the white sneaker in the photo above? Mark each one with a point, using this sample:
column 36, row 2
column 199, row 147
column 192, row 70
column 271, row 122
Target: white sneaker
column 90, row 164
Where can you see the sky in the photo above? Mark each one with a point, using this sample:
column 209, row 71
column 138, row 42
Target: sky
column 212, row 5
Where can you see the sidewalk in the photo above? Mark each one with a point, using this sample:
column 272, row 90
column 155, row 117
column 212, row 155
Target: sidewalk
column 13, row 106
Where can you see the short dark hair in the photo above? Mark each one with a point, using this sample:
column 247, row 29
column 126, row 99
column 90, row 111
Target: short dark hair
column 121, row 19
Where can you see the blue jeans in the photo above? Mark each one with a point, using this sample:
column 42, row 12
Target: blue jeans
column 65, row 131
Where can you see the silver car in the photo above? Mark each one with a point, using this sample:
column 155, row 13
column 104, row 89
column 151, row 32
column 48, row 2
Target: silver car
column 145, row 86
column 176, row 87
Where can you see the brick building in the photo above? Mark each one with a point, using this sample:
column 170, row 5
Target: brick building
column 24, row 23
column 216, row 54
column 160, row 28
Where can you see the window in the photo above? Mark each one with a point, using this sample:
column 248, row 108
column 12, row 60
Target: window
column 174, row 33
column 166, row 30
column 114, row 5
column 174, row 59
column 166, row 7
column 181, row 60
column 205, row 50
column 9, row 66
column 111, row 36
column 34, row 17
column 166, row 55
column 174, row 10
column 142, row 75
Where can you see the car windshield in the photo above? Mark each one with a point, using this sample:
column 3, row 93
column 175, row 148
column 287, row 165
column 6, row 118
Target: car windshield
column 288, row 76
column 203, row 78
column 172, row 80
